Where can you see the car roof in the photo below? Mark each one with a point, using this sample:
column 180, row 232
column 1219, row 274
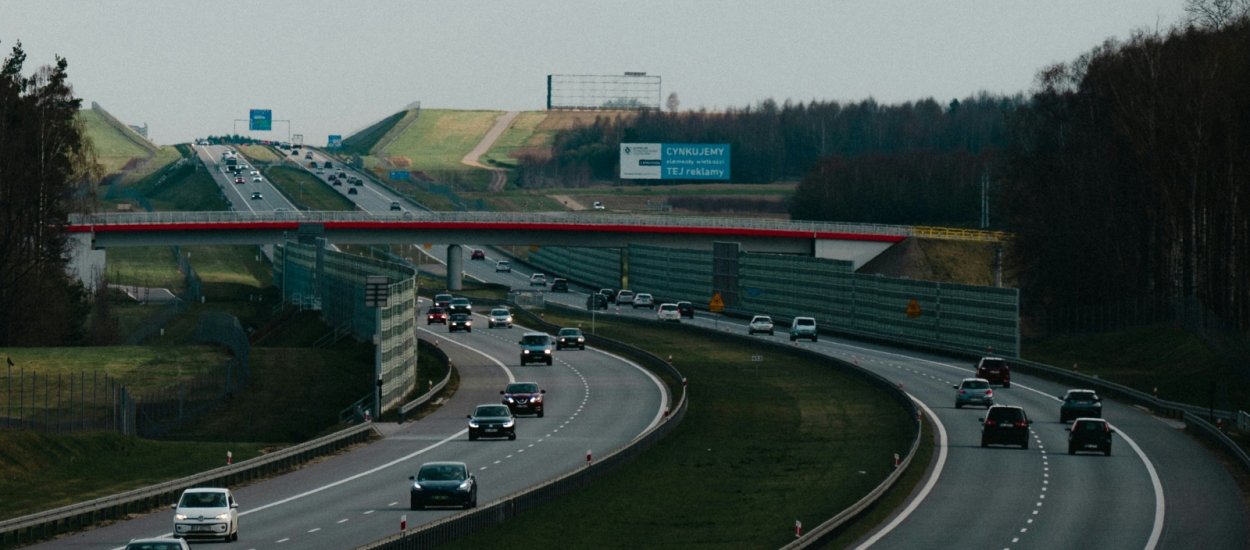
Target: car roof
column 446, row 463
column 535, row 334
column 975, row 379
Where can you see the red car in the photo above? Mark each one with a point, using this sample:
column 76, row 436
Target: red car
column 524, row 397
column 239, row 180
column 995, row 370
column 477, row 255
column 436, row 315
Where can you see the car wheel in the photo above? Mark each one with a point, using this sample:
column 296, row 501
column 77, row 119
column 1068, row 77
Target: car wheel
column 1107, row 451
column 235, row 536
column 1071, row 449
column 472, row 436
column 548, row 361
column 770, row 333
column 1006, row 385
column 1025, row 445
column 813, row 338
column 558, row 347
column 414, row 504
column 793, row 339
column 959, row 405
column 984, row 443
column 582, row 347
column 540, row 414
column 512, row 436
column 468, row 330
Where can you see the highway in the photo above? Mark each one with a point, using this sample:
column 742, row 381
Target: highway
column 1159, row 489
column 595, row 402
column 240, row 194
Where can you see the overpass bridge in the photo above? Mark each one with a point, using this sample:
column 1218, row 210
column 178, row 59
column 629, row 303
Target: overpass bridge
column 857, row 243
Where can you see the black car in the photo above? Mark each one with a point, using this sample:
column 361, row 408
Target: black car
column 570, row 338
column 1080, row 404
column 609, row 293
column 492, row 421
column 442, row 300
column 443, row 484
column 1005, row 425
column 460, row 305
column 994, row 369
column 460, row 321
column 524, row 397
column 559, row 285
column 596, row 301
column 685, row 309
column 1090, row 434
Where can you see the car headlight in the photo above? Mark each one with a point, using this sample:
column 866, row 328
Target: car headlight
column 223, row 516
column 509, row 423
column 525, row 352
column 465, row 486
column 468, row 323
column 509, row 399
column 472, row 423
column 180, row 517
column 580, row 339
column 547, row 351
column 416, row 486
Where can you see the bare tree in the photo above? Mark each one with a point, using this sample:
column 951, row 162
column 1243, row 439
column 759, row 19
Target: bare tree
column 1216, row 14
column 672, row 102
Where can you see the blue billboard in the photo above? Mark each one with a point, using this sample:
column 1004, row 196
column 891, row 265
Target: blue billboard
column 260, row 120
column 675, row 161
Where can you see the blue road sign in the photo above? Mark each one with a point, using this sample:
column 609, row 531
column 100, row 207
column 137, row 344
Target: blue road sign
column 260, row 120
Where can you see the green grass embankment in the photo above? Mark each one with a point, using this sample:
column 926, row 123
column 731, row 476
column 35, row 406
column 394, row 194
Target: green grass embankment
column 763, row 444
column 307, row 191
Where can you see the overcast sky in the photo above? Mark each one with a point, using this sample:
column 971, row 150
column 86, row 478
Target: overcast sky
column 191, row 68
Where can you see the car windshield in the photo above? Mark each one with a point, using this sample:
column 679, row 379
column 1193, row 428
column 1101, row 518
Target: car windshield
column 805, row 322
column 761, row 320
column 460, row 317
column 1090, row 426
column 499, row 312
column 442, row 298
column 491, row 410
column 203, row 500
column 442, row 472
column 1081, row 397
column 976, row 384
column 569, row 332
column 524, row 387
column 534, row 340
column 1006, row 414
column 994, row 364
column 154, row 546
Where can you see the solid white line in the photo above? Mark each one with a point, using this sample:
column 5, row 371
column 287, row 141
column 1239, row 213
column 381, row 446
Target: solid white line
column 928, row 486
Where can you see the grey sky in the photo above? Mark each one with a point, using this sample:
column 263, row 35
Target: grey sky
column 190, row 69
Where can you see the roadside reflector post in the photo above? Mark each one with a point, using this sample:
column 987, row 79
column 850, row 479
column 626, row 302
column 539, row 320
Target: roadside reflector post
column 798, row 528
column 896, row 460
column 403, row 522
column 229, row 458
column 588, row 457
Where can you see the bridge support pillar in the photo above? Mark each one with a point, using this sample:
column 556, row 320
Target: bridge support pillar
column 455, row 267
column 85, row 262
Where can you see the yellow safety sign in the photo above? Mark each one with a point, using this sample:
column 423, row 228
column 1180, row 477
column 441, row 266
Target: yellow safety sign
column 913, row 308
column 717, row 304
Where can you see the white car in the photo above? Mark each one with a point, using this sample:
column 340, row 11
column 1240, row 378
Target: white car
column 760, row 323
column 624, row 298
column 160, row 543
column 206, row 512
column 499, row 317
column 668, row 312
column 502, row 266
column 643, row 299
column 538, row 279
column 598, row 205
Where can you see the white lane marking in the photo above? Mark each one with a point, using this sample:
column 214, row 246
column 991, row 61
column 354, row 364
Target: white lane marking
column 371, row 471
column 928, row 486
column 344, row 520
column 314, row 529
column 367, row 512
column 280, row 541
column 1156, row 530
column 511, row 377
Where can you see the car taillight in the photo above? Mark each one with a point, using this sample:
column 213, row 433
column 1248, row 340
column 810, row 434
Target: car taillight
column 989, row 393
column 1022, row 424
column 961, row 392
column 990, row 423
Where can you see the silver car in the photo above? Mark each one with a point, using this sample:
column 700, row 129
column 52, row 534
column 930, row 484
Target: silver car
column 973, row 391
column 500, row 317
column 760, row 323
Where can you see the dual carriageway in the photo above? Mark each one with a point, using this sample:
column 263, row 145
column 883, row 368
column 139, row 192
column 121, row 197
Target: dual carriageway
column 1159, row 489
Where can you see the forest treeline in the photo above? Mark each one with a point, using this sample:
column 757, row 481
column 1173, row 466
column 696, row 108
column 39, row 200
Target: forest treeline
column 1123, row 176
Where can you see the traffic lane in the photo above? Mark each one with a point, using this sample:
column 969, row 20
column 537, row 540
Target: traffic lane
column 966, row 477
column 267, row 523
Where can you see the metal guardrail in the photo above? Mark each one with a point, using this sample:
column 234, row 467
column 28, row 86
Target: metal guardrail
column 580, row 219
column 38, row 526
column 959, row 234
column 427, row 396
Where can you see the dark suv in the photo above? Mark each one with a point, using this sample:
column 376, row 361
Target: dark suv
column 1080, row 404
column 1090, row 434
column 559, row 285
column 1004, row 425
column 995, row 370
column 524, row 397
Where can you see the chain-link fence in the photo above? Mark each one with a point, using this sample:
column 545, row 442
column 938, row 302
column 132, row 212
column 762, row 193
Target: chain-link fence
column 66, row 402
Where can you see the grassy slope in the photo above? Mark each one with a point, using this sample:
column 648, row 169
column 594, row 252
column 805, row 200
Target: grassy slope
column 113, row 149
column 141, row 368
column 810, row 428
column 362, row 142
column 147, row 266
column 522, row 134
column 439, row 138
